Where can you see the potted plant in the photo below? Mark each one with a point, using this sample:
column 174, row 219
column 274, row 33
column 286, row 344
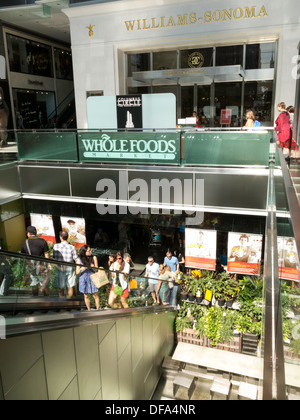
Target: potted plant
column 231, row 291
column 193, row 286
column 182, row 280
column 218, row 288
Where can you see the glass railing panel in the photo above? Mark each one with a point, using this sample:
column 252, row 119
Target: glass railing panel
column 226, row 148
column 44, row 146
column 289, row 273
column 29, row 283
column 273, row 383
column 172, row 147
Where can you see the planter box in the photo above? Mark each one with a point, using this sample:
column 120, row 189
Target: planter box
column 188, row 335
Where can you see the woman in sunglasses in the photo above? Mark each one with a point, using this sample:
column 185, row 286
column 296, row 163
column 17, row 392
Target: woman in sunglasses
column 123, row 268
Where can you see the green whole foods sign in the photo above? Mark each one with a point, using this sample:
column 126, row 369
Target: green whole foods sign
column 153, row 148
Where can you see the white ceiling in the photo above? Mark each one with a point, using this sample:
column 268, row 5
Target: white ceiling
column 44, row 18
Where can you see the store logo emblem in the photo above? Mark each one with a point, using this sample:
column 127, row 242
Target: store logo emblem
column 2, row 328
column 2, row 67
column 195, row 59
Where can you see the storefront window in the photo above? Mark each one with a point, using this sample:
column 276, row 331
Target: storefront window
column 63, row 64
column 260, row 56
column 165, row 60
column 228, row 96
column 139, row 90
column 33, row 108
column 258, row 97
column 196, row 57
column 138, row 62
column 203, row 105
column 187, row 101
column 229, row 55
column 26, row 56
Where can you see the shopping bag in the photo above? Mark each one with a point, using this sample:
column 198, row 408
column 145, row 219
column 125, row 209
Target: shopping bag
column 133, row 284
column 118, row 290
column 99, row 278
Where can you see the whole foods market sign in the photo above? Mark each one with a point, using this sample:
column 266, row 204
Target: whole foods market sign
column 130, row 147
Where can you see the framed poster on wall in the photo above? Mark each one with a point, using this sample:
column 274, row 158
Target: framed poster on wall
column 244, row 253
column 288, row 261
column 76, row 230
column 44, row 226
column 200, row 248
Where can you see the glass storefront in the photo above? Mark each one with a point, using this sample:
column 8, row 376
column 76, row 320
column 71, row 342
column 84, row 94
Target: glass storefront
column 32, row 57
column 233, row 77
column 26, row 56
column 33, row 108
column 47, row 67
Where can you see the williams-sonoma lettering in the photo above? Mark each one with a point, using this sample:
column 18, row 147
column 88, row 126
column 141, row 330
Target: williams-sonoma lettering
column 220, row 15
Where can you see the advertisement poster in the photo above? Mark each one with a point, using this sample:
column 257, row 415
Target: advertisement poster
column 76, row 230
column 200, row 248
column 44, row 226
column 244, row 253
column 288, row 260
column 226, row 116
column 129, row 111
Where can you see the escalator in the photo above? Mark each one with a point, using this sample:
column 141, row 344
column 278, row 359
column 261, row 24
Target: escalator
column 64, row 115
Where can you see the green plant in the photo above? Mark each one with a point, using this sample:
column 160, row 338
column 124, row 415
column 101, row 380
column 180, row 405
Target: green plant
column 219, row 286
column 194, row 284
column 232, row 288
column 250, row 289
column 213, row 324
column 252, row 310
column 182, row 323
column 295, row 347
column 228, row 323
column 294, row 299
column 244, row 324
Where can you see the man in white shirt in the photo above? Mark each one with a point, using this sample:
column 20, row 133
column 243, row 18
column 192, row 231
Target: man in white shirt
column 152, row 272
column 66, row 275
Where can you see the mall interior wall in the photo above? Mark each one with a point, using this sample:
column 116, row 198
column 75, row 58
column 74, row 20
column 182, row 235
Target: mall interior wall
column 124, row 360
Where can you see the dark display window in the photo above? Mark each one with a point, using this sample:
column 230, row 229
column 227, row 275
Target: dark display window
column 228, row 96
column 26, row 56
column 138, row 62
column 33, row 108
column 260, row 56
column 231, row 55
column 203, row 105
column 63, row 64
column 258, row 97
column 165, row 60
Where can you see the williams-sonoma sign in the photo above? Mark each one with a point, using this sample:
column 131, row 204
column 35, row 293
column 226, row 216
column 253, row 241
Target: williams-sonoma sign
column 219, row 15
column 130, row 147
